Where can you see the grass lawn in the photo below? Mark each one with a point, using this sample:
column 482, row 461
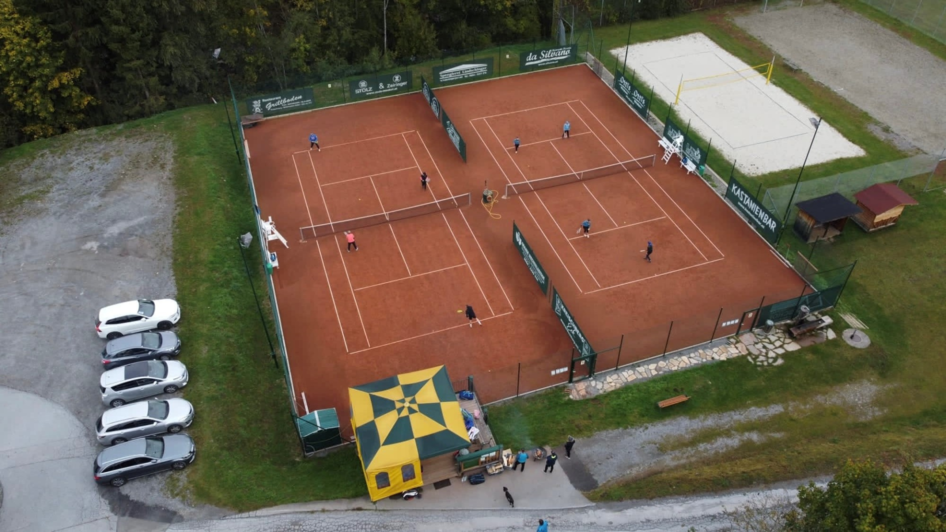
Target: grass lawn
column 249, row 454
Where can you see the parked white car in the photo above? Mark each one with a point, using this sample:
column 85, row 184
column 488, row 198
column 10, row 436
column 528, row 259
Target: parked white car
column 145, row 418
column 137, row 316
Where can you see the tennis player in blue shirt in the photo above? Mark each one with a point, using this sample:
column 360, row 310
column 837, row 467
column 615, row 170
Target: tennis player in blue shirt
column 314, row 141
column 566, row 129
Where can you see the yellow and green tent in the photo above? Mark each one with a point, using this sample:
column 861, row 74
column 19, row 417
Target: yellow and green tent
column 400, row 421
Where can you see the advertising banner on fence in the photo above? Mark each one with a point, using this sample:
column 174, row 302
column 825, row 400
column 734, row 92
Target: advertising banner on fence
column 561, row 55
column 631, row 95
column 432, row 100
column 571, row 327
column 532, row 262
column 386, row 84
column 284, row 102
column 466, row 71
column 690, row 148
column 760, row 217
column 454, row 135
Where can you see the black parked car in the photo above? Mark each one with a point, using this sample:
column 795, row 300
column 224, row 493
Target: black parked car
column 145, row 456
column 140, row 346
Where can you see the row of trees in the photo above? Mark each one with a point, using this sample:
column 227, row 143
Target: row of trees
column 67, row 64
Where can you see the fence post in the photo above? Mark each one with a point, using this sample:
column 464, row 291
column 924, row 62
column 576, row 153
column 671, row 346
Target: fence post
column 798, row 303
column 918, row 6
column 758, row 313
column 620, row 347
column 851, row 271
column 669, row 331
column 717, row 324
column 518, row 375
column 469, row 383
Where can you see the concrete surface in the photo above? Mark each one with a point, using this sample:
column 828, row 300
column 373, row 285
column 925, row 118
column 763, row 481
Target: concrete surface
column 46, row 468
column 893, row 80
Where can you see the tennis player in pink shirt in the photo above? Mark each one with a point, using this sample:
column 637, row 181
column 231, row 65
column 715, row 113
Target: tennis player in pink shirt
column 351, row 240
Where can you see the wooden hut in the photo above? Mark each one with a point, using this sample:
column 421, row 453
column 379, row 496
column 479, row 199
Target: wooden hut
column 881, row 206
column 824, row 217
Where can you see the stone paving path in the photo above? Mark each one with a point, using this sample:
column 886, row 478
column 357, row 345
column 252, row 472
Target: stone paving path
column 759, row 347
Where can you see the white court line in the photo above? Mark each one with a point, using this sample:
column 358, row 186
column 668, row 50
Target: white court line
column 586, row 187
column 527, row 209
column 339, row 246
column 470, row 229
column 428, row 334
column 391, row 227
column 543, row 141
column 367, row 176
column 330, row 293
column 316, row 174
column 654, row 276
column 721, row 254
column 410, row 277
column 362, row 140
column 299, row 177
column 383, row 210
column 443, row 177
column 546, row 210
column 468, row 264
column 659, row 206
column 524, row 110
column 620, row 227
column 429, row 189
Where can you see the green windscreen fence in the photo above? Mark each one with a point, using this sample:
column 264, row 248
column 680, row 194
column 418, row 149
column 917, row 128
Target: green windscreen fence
column 532, row 262
column 762, row 219
column 691, row 149
column 632, row 95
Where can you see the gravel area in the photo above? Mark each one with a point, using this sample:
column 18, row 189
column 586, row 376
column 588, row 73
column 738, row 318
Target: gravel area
column 93, row 227
column 626, row 453
column 895, row 81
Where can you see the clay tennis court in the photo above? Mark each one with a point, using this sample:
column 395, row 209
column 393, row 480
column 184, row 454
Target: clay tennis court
column 351, row 317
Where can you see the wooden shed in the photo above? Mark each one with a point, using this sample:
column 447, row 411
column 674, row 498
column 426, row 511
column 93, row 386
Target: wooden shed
column 881, row 206
column 823, row 218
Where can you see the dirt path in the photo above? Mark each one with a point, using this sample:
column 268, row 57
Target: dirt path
column 895, row 81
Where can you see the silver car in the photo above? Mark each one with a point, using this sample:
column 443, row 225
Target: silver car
column 139, row 380
column 145, row 418
column 144, row 456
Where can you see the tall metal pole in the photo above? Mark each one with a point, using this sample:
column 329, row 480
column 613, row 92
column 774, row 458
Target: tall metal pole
column 630, row 20
column 795, row 190
column 272, row 351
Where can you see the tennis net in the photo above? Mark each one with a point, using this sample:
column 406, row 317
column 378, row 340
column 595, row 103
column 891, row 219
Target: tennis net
column 533, row 185
column 453, row 202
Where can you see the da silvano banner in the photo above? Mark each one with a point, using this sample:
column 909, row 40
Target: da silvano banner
column 761, row 218
column 284, row 102
column 432, row 100
column 454, row 135
column 385, row 84
column 470, row 70
column 532, row 262
column 560, row 55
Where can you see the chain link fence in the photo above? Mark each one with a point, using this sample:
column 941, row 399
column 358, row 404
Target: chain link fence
column 928, row 16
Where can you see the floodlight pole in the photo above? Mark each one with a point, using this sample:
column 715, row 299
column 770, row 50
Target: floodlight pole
column 272, row 351
column 795, row 190
column 630, row 21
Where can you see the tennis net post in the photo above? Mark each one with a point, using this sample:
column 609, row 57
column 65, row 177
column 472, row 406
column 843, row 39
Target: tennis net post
column 533, row 185
column 319, row 230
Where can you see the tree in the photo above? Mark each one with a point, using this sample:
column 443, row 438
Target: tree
column 33, row 79
column 862, row 497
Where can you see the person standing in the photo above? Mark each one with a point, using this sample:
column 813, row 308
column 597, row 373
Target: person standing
column 515, row 143
column 566, row 130
column 586, row 227
column 314, row 141
column 512, row 503
column 470, row 315
column 568, row 447
column 423, row 180
column 521, row 459
column 550, row 462
column 543, row 526
column 350, row 236
column 650, row 249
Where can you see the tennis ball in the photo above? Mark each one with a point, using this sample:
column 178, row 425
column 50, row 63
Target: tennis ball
column 459, row 311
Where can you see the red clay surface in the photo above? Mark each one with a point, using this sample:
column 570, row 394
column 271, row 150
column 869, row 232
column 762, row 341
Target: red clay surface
column 353, row 317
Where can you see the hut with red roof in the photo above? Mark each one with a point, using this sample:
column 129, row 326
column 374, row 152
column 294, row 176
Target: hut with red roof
column 881, row 206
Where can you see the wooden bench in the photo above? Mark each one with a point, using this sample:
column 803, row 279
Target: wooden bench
column 673, row 401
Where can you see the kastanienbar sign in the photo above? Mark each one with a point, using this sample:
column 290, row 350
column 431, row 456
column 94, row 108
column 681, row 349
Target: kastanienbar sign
column 768, row 225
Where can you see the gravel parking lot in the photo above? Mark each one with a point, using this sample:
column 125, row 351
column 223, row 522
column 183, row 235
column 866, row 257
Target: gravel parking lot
column 895, row 81
column 93, row 226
